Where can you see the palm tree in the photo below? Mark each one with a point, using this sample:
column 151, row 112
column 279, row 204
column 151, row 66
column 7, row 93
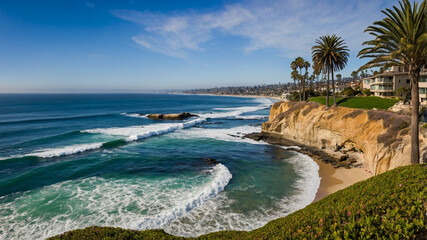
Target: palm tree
column 305, row 65
column 400, row 39
column 295, row 76
column 338, row 79
column 355, row 76
column 316, row 72
column 298, row 63
column 332, row 54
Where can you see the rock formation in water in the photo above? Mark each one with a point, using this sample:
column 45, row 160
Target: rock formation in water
column 171, row 116
column 380, row 137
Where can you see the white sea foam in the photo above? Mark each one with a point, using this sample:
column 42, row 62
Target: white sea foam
column 237, row 111
column 57, row 152
column 222, row 177
column 128, row 203
column 307, row 185
column 135, row 115
column 215, row 215
column 291, row 147
column 134, row 133
column 251, row 117
column 235, row 134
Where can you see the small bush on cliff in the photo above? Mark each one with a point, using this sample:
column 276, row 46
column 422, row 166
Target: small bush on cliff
column 389, row 206
column 366, row 92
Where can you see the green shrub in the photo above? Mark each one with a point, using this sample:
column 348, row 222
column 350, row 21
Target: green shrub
column 367, row 92
column 404, row 94
column 349, row 91
column 388, row 206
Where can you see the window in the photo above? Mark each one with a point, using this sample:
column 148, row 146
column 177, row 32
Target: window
column 422, row 90
column 407, row 80
column 423, row 79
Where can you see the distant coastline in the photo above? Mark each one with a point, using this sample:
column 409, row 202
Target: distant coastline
column 230, row 95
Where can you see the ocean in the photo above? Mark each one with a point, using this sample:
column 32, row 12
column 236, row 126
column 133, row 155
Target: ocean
column 69, row 161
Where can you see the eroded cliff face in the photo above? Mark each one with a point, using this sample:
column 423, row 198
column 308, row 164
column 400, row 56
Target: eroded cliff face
column 381, row 136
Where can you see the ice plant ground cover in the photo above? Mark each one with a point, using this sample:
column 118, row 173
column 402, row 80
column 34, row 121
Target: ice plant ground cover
column 359, row 102
column 389, row 206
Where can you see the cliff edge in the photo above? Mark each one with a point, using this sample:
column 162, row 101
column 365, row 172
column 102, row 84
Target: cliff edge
column 380, row 137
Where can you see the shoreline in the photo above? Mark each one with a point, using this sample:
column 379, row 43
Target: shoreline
column 332, row 177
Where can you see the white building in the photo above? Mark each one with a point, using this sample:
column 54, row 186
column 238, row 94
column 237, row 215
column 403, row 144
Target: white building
column 386, row 83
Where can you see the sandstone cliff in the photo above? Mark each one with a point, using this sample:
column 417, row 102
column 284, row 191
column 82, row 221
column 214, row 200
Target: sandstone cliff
column 381, row 136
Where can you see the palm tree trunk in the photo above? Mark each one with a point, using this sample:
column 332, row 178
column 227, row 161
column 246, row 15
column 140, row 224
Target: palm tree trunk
column 302, row 85
column 318, row 83
column 327, row 90
column 333, row 88
column 414, row 75
column 303, row 89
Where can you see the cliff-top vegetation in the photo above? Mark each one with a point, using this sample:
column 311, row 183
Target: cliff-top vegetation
column 359, row 102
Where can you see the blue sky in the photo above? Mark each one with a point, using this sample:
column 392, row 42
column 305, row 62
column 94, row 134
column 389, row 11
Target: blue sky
column 137, row 46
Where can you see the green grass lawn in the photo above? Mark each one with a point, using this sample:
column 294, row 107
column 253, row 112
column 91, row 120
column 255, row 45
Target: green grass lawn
column 391, row 205
column 359, row 102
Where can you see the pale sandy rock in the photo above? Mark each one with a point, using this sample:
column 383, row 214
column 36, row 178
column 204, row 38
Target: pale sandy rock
column 381, row 137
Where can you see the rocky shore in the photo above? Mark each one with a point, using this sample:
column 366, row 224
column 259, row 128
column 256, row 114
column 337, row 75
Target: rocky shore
column 345, row 137
column 336, row 159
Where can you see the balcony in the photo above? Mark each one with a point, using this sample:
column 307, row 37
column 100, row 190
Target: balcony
column 382, row 83
column 382, row 90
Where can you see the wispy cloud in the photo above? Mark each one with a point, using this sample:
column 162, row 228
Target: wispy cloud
column 89, row 4
column 288, row 26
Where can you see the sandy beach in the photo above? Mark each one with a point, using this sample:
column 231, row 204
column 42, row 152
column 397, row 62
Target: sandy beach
column 335, row 179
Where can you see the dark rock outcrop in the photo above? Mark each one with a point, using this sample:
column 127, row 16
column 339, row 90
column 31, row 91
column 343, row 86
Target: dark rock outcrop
column 313, row 152
column 171, row 116
column 210, row 161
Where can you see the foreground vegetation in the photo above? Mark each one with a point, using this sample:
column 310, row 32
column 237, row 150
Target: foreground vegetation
column 389, row 206
column 360, row 102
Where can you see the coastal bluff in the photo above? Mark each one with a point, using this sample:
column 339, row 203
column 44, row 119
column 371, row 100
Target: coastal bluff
column 381, row 139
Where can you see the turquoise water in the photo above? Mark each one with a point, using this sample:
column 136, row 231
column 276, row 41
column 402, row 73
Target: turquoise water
column 72, row 161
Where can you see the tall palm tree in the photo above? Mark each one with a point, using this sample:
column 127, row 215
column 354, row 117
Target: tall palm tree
column 331, row 53
column 305, row 65
column 355, row 76
column 400, row 39
column 338, row 79
column 316, row 71
column 298, row 63
column 295, row 76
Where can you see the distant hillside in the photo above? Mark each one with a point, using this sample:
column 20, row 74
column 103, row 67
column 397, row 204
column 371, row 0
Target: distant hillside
column 260, row 90
column 391, row 205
